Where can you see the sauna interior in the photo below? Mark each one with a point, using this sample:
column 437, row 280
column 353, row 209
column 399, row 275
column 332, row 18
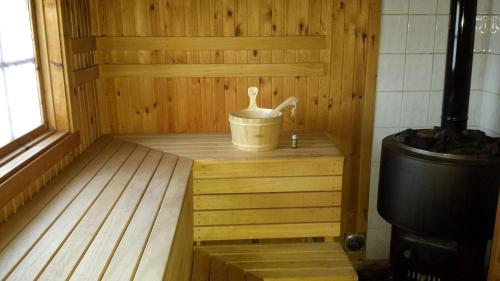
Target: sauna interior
column 116, row 153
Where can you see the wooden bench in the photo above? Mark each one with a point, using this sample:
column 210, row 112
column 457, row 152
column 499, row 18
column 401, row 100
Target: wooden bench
column 281, row 195
column 124, row 211
column 118, row 212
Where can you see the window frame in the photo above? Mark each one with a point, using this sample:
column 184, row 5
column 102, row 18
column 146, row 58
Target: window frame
column 32, row 134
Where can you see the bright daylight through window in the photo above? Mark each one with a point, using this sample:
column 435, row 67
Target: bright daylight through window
column 20, row 110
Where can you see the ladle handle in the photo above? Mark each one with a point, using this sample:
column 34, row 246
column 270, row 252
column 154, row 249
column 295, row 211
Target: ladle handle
column 252, row 94
column 291, row 101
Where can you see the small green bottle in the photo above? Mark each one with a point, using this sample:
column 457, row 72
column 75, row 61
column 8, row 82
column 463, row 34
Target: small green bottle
column 295, row 143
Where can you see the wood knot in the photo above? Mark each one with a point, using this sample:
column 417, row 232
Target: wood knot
column 237, row 30
column 229, row 13
column 152, row 7
column 275, row 92
column 255, row 53
column 226, row 87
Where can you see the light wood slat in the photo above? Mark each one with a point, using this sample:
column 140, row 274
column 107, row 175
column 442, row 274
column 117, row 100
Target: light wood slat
column 156, row 253
column 85, row 75
column 21, row 160
column 24, row 139
column 82, row 45
column 213, row 70
column 317, row 274
column 74, row 247
column 29, row 141
column 333, row 262
column 211, row 43
column 24, row 217
column 313, row 166
column 24, row 149
column 271, row 248
column 93, row 264
column 285, row 255
column 257, row 185
column 266, row 216
column 129, row 251
column 208, row 233
column 32, row 264
column 266, row 200
column 37, row 167
column 219, row 146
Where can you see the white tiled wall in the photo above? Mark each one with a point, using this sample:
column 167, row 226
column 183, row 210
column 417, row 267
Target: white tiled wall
column 411, row 78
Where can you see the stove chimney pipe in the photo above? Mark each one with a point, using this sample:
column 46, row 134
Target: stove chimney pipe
column 459, row 65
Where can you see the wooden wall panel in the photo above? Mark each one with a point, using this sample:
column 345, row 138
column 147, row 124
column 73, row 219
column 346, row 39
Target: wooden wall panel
column 82, row 71
column 340, row 102
column 200, row 103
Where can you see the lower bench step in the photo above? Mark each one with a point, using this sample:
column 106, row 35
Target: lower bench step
column 272, row 262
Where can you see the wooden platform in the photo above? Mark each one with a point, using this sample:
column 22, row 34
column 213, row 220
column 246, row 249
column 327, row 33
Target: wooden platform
column 273, row 262
column 284, row 193
column 113, row 214
column 219, row 146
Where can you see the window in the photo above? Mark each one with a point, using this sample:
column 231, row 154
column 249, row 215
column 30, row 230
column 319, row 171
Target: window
column 20, row 109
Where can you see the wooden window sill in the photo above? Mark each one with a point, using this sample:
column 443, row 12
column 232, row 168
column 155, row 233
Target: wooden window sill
column 23, row 162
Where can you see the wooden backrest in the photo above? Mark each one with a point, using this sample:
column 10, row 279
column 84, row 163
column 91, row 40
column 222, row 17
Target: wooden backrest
column 265, row 199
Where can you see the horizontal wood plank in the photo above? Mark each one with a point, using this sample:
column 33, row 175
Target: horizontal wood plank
column 21, row 160
column 82, row 45
column 213, row 70
column 85, row 75
column 287, row 248
column 24, row 148
column 210, row 233
column 10, row 187
column 17, row 143
column 269, row 184
column 208, row 43
column 266, row 200
column 267, row 216
column 306, row 166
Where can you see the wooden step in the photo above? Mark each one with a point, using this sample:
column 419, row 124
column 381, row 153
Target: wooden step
column 269, row 262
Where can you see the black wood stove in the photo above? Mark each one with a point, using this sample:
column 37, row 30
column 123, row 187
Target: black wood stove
column 439, row 187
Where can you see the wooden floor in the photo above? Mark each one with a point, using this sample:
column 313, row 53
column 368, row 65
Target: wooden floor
column 273, row 262
column 102, row 218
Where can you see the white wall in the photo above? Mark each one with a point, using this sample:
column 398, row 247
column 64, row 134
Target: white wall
column 410, row 83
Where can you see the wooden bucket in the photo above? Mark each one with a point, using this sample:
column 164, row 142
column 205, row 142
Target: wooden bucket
column 254, row 128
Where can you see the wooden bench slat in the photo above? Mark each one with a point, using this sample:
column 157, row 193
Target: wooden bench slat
column 266, row 200
column 333, row 262
column 94, row 263
column 276, row 167
column 267, row 216
column 262, row 185
column 9, row 229
column 13, row 252
column 73, row 248
column 302, row 274
column 270, row 248
column 41, row 253
column 295, row 230
column 128, row 253
column 156, row 253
